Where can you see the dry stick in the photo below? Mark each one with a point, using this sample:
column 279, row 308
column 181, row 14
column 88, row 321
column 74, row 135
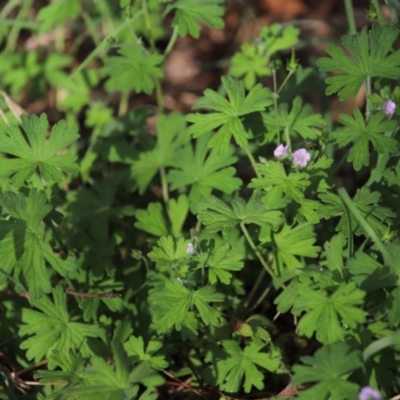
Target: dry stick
column 108, row 295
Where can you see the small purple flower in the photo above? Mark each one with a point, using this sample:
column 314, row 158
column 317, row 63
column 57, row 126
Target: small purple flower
column 281, row 151
column 190, row 249
column 301, row 157
column 369, row 393
column 389, row 107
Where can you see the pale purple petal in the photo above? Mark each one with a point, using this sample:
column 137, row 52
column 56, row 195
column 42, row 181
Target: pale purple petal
column 281, row 151
column 389, row 107
column 369, row 393
column 190, row 249
column 301, row 157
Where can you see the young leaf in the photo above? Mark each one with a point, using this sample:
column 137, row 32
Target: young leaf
column 227, row 117
column 328, row 372
column 237, row 364
column 133, row 69
column 370, row 60
column 324, row 314
column 22, row 243
column 204, row 171
column 167, row 252
column 52, row 328
column 36, row 151
column 210, row 12
column 253, row 59
column 361, row 133
column 217, row 215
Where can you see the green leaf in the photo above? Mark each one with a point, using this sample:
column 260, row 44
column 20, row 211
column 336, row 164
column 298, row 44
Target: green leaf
column 300, row 121
column 171, row 135
column 279, row 186
column 22, row 244
column 152, row 220
column 117, row 381
column 290, row 243
column 328, row 371
column 57, row 13
column 205, row 171
column 136, row 352
column 250, row 63
column 167, row 252
column 219, row 261
column 361, row 133
column 52, row 328
column 253, row 59
column 237, row 364
column 177, row 212
column 217, row 215
column 228, row 113
column 367, row 204
column 325, row 314
column 370, row 51
column 175, row 301
column 209, row 12
column 71, row 365
column 34, row 150
column 133, row 69
column 369, row 274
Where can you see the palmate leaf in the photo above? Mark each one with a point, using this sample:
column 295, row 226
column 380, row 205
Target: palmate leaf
column 154, row 219
column 291, row 243
column 325, row 314
column 57, row 13
column 136, row 352
column 113, row 382
column 361, row 133
column 367, row 203
column 52, row 328
column 36, row 151
column 174, row 302
column 171, row 135
column 228, row 113
column 204, row 171
column 22, row 246
column 301, row 120
column 188, row 12
column 236, row 364
column 133, row 69
column 328, row 370
column 217, row 215
column 279, row 186
column 220, row 261
column 370, row 50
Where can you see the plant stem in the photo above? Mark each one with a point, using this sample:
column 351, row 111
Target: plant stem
column 103, row 44
column 260, row 257
column 350, row 16
column 252, row 161
column 285, row 81
column 275, row 96
column 256, row 285
column 164, row 185
column 14, row 33
column 172, row 40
